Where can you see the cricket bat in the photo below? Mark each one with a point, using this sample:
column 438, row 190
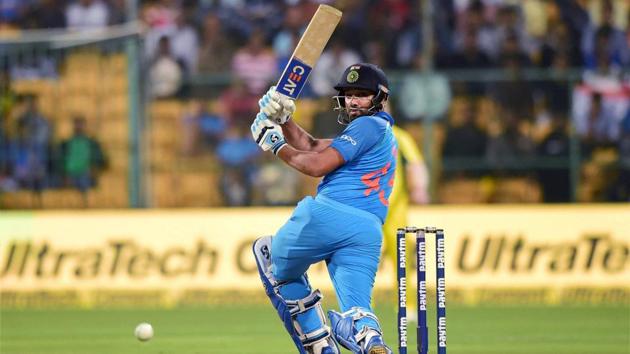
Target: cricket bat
column 308, row 50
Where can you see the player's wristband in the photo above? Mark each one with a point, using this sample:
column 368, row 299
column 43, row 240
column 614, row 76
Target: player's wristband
column 276, row 148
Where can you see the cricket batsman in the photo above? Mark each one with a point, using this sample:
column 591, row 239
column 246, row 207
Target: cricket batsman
column 342, row 224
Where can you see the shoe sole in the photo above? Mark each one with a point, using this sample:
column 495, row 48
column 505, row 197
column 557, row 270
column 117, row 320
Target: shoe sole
column 379, row 350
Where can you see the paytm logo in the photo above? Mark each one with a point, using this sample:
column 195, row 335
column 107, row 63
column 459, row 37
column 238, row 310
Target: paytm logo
column 293, row 78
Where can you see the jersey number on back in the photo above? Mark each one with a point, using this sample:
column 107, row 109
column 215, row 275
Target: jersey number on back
column 373, row 182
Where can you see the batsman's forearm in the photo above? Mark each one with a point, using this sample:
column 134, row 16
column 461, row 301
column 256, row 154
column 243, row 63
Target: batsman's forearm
column 297, row 137
column 303, row 161
column 300, row 139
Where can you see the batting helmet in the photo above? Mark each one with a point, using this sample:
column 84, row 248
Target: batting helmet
column 364, row 76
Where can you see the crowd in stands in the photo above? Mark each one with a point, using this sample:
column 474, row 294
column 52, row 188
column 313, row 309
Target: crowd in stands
column 30, row 157
column 495, row 121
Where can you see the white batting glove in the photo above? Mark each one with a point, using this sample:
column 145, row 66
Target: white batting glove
column 276, row 107
column 267, row 134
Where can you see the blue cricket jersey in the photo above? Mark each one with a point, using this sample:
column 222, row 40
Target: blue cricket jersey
column 365, row 181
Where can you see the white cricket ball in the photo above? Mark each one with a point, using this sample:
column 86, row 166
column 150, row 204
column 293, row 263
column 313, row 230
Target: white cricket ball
column 144, row 331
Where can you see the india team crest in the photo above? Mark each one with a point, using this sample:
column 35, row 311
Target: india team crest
column 352, row 77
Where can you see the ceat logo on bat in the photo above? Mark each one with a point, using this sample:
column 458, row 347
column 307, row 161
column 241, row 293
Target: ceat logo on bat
column 296, row 77
column 293, row 78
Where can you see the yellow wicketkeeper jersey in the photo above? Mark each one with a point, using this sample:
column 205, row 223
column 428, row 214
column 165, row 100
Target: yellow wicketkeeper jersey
column 408, row 152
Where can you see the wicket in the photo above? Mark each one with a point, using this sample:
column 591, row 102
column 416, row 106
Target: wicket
column 440, row 281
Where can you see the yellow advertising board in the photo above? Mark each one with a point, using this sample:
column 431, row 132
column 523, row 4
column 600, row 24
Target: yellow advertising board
column 553, row 248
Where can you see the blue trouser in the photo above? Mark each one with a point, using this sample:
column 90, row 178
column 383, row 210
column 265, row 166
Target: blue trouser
column 348, row 239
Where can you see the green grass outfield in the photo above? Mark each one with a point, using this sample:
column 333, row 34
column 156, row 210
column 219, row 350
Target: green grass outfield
column 256, row 329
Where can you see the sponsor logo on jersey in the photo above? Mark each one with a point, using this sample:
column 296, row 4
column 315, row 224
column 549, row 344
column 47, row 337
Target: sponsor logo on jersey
column 348, row 139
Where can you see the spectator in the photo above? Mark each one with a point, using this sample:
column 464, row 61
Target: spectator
column 543, row 118
column 203, row 129
column 556, row 88
column 236, row 104
column 559, row 42
column 511, row 53
column 255, row 64
column 166, row 71
column 352, row 30
column 510, row 24
column 375, row 53
column 513, row 93
column 118, row 12
column 217, row 48
column 84, row 14
column 82, row 158
column 470, row 56
column 391, row 26
column 576, row 16
column 509, row 140
column 248, row 17
column 408, row 43
column 464, row 138
column 396, row 13
column 601, row 126
column 475, row 19
column 183, row 40
column 444, row 19
column 185, row 44
column 33, row 67
column 604, row 52
column 237, row 154
column 160, row 14
column 30, row 150
column 605, row 76
column 11, row 12
column 34, row 123
column 46, row 14
column 555, row 181
column 606, row 40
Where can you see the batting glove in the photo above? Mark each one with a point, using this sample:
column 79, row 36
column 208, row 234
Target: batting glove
column 276, row 107
column 267, row 134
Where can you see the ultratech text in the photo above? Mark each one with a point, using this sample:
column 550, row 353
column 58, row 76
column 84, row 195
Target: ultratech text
column 116, row 258
column 519, row 255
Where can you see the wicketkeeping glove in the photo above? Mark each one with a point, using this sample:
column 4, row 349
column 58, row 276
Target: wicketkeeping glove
column 276, row 107
column 267, row 134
